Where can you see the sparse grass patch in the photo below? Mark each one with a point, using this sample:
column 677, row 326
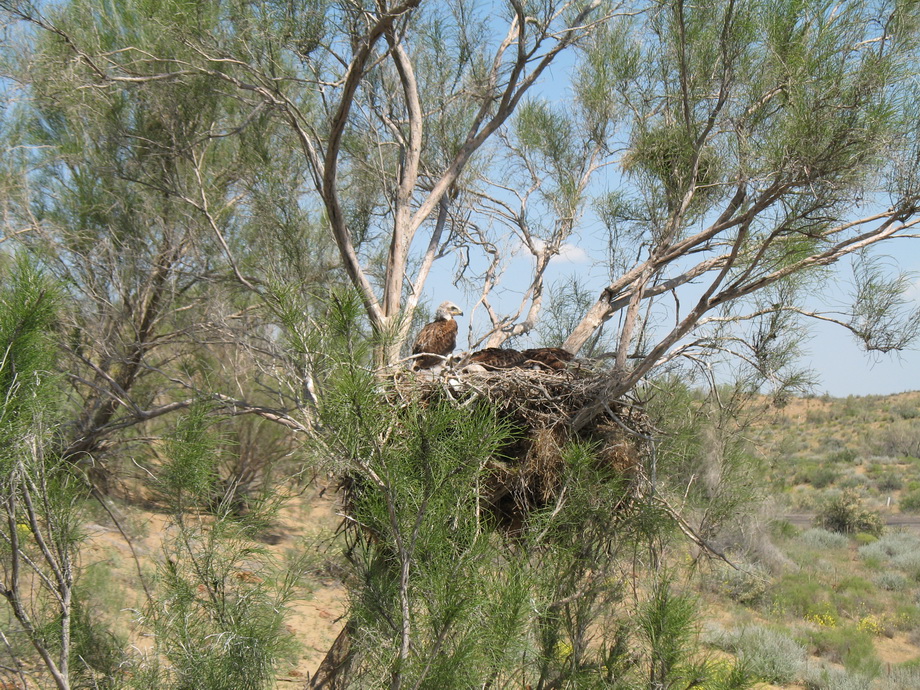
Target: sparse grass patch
column 854, row 594
column 801, row 595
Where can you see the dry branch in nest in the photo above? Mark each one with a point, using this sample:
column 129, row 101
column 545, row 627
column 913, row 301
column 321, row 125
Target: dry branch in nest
column 541, row 406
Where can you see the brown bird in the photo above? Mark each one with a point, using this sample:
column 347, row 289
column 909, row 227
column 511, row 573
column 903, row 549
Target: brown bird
column 551, row 357
column 496, row 358
column 437, row 338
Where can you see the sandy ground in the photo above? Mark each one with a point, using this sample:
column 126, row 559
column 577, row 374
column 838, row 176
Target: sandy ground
column 315, row 620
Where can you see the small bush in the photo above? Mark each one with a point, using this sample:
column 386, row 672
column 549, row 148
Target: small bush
column 891, row 546
column 844, row 455
column 855, row 593
column 863, row 538
column 772, row 656
column 908, row 562
column 852, row 480
column 910, row 502
column 906, row 411
column 845, row 513
column 829, row 678
column 820, row 538
column 903, row 678
column 801, row 595
column 906, row 617
column 890, row 482
column 891, row 582
column 822, row 476
column 849, row 646
column 783, row 529
column 746, row 585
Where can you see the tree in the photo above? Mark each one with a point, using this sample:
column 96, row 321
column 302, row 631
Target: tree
column 766, row 141
column 730, row 153
column 41, row 512
column 144, row 208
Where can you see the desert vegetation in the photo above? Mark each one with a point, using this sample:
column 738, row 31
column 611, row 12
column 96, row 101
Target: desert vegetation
column 223, row 221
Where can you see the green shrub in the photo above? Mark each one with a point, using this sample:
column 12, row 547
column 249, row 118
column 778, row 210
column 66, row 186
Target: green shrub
column 906, row 617
column 849, row 646
column 909, row 562
column 852, row 480
column 890, row 482
column 844, row 456
column 801, row 595
column 845, row 513
column 822, row 476
column 863, row 538
column 910, row 502
column 783, row 529
column 906, row 411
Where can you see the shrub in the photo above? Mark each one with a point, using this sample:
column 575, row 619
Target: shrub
column 845, row 513
column 903, row 678
column 783, row 529
column 854, row 593
column 829, row 678
column 906, row 411
column 852, row 480
column 800, row 594
column 863, row 538
column 906, row 617
column 844, row 455
column 820, row 538
column 908, row 562
column 891, row 581
column 746, row 585
column 891, row 546
column 771, row 655
column 910, row 502
column 822, row 476
column 849, row 646
column 890, row 482
column 900, row 438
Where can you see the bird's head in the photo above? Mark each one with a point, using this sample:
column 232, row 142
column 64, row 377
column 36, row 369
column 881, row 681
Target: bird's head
column 447, row 311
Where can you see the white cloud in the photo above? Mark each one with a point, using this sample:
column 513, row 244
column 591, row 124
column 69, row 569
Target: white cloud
column 571, row 254
column 568, row 253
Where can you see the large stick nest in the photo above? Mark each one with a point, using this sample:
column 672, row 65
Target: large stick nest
column 547, row 409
